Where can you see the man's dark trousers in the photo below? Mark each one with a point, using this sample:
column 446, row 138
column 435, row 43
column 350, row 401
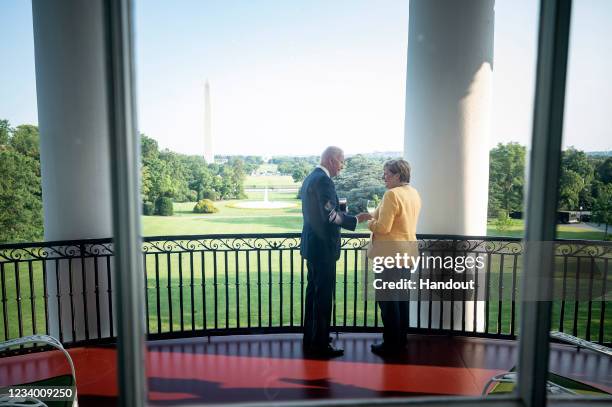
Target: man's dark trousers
column 318, row 308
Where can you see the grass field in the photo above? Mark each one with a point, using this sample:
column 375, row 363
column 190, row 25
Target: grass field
column 572, row 231
column 260, row 181
column 236, row 220
column 271, row 181
column 228, row 219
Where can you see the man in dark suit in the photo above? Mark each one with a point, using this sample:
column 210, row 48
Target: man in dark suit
column 320, row 246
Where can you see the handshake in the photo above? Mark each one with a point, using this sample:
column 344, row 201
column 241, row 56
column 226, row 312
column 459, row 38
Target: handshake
column 362, row 217
column 337, row 216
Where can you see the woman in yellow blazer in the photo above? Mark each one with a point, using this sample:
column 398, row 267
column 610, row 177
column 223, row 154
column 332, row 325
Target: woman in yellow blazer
column 393, row 226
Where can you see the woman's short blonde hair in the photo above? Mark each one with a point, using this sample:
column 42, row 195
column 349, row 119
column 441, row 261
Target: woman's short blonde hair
column 399, row 166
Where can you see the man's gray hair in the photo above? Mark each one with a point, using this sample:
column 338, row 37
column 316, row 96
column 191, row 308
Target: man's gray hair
column 329, row 152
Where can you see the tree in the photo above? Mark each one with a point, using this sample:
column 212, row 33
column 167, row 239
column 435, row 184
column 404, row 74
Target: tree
column 5, row 130
column 201, row 181
column 145, row 183
column 604, row 171
column 149, row 149
column 188, row 178
column 21, row 217
column 159, row 182
column 577, row 173
column 178, row 172
column 570, row 186
column 251, row 163
column 602, row 207
column 237, row 179
column 360, row 172
column 26, row 141
column 577, row 161
column 300, row 172
column 297, row 167
column 360, row 180
column 503, row 221
column 506, row 178
column 20, row 186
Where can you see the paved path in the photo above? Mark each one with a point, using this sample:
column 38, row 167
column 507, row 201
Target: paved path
column 595, row 226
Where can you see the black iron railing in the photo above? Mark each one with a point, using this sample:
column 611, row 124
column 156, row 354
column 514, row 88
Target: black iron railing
column 227, row 284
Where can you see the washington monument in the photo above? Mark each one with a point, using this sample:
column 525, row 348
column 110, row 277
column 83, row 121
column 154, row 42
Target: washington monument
column 209, row 154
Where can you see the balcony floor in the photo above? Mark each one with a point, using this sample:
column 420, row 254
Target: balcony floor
column 271, row 367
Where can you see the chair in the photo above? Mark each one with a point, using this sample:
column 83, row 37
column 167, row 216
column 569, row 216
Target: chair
column 5, row 400
column 556, row 384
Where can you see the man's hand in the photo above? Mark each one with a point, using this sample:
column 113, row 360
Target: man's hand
column 363, row 216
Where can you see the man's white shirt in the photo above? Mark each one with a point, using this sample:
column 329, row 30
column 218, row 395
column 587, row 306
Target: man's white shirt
column 325, row 170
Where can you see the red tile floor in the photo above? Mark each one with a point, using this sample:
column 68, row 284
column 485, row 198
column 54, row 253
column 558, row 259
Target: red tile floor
column 271, row 367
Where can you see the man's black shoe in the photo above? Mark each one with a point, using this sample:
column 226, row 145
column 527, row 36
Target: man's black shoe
column 334, row 352
column 384, row 350
column 330, row 339
column 326, row 353
column 306, row 347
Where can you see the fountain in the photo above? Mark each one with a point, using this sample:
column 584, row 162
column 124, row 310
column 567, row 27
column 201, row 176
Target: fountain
column 264, row 204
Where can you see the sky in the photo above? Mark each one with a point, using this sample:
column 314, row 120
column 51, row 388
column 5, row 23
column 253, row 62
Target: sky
column 290, row 77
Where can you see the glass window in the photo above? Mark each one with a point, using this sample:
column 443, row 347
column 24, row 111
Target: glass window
column 581, row 298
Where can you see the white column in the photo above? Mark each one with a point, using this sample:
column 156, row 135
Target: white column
column 72, row 92
column 448, row 105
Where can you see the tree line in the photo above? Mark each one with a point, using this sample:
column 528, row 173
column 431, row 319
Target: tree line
column 296, row 167
column 585, row 180
column 166, row 176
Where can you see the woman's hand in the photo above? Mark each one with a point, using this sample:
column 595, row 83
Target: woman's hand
column 363, row 216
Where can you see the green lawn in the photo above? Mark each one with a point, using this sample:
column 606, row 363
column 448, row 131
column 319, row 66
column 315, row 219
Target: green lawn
column 270, row 181
column 237, row 220
column 228, row 219
column 572, row 231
